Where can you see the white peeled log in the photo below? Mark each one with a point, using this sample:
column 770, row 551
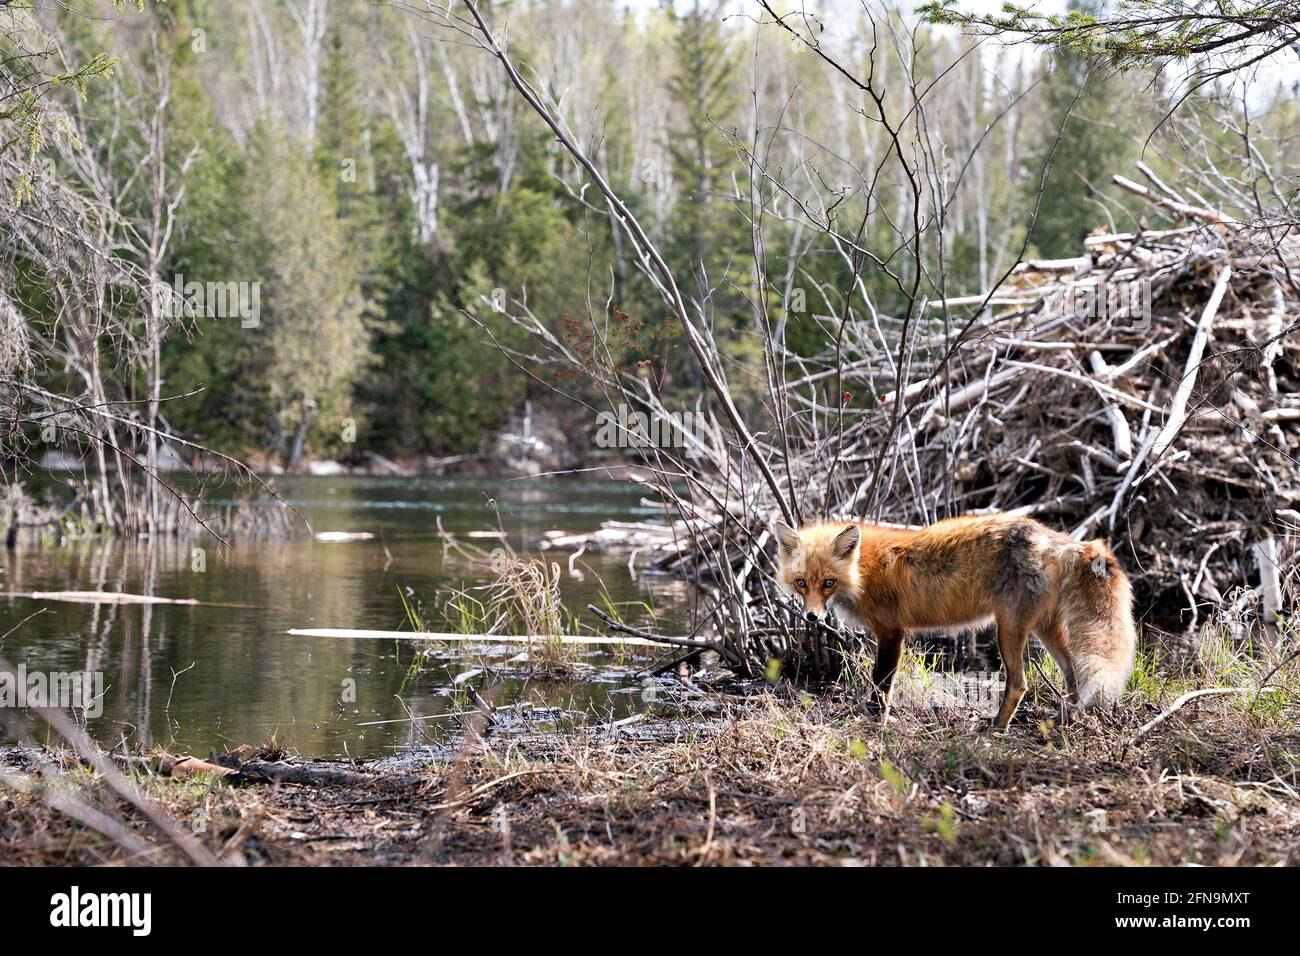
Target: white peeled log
column 1121, row 435
column 1273, row 330
column 1178, row 406
column 1075, row 265
column 1183, row 209
column 1026, row 297
column 1270, row 583
column 348, row 633
column 964, row 396
column 1114, row 238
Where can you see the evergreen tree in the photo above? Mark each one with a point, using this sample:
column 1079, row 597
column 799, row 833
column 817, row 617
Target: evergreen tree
column 307, row 345
column 342, row 151
column 708, row 231
column 1096, row 141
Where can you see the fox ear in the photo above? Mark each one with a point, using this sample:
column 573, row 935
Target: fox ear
column 846, row 542
column 787, row 537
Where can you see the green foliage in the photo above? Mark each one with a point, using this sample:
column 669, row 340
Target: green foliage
column 402, row 329
column 443, row 385
column 1095, row 141
column 709, row 236
column 25, row 122
column 1136, row 33
column 309, row 340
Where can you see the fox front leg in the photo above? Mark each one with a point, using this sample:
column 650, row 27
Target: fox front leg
column 889, row 649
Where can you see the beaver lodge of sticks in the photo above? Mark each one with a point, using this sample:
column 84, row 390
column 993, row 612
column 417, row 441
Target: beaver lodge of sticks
column 1145, row 391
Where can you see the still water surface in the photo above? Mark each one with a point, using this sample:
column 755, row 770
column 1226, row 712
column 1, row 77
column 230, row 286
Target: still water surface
column 200, row 678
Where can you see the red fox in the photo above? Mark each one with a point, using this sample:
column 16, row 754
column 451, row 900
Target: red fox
column 968, row 571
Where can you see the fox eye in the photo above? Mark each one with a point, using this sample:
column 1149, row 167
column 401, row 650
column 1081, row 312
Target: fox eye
column 800, row 583
column 828, row 584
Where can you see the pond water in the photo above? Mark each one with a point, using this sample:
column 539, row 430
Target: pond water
column 199, row 678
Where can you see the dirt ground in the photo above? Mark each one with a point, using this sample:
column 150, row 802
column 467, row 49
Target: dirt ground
column 776, row 779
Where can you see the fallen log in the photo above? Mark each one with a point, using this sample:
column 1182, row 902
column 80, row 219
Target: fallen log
column 312, row 775
column 97, row 597
column 116, row 597
column 442, row 636
column 230, row 769
column 1182, row 209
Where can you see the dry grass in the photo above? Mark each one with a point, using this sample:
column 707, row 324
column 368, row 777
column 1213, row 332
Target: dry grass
column 778, row 778
column 521, row 597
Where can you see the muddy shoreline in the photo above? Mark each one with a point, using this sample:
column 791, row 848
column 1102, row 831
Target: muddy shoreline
column 779, row 779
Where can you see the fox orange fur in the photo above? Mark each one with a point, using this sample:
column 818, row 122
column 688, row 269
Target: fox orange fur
column 967, row 571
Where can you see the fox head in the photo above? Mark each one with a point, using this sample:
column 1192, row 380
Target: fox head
column 818, row 564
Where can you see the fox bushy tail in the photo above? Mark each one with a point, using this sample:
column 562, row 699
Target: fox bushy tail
column 1099, row 616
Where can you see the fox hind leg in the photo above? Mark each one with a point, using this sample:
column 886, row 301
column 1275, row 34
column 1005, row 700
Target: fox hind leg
column 1053, row 636
column 1012, row 637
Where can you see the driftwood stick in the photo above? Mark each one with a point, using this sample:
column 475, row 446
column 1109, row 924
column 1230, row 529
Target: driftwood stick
column 1181, row 702
column 1146, row 171
column 1072, row 265
column 230, row 769
column 1146, row 235
column 454, row 638
column 962, row 397
column 1183, row 209
column 1114, row 393
column 650, row 635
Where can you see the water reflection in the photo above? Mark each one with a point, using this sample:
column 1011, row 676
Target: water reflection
column 224, row 673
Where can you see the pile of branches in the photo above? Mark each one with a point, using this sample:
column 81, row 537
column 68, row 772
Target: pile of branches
column 1146, row 391
column 1140, row 391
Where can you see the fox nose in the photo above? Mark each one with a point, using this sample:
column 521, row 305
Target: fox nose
column 810, row 616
